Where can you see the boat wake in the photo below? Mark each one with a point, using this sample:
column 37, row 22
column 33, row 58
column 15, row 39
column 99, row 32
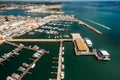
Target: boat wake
column 97, row 24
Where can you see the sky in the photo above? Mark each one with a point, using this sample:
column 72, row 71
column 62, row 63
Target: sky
column 59, row 0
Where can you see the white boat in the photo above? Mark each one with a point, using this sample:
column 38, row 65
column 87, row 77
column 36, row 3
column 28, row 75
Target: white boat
column 66, row 36
column 33, row 66
column 63, row 53
column 63, row 66
column 16, row 76
column 55, row 37
column 62, row 59
column 48, row 36
column 104, row 54
column 62, row 74
column 63, row 48
column 88, row 42
column 31, row 33
column 36, row 55
column 60, row 36
column 10, row 78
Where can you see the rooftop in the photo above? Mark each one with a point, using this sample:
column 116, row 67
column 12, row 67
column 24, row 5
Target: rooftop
column 81, row 45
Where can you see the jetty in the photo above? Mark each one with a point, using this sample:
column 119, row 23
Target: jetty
column 10, row 54
column 26, row 67
column 59, row 64
column 88, row 26
column 21, row 46
column 30, row 66
column 37, row 40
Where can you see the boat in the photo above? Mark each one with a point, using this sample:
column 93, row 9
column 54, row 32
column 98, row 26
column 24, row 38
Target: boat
column 10, row 78
column 16, row 76
column 55, row 37
column 36, row 55
column 62, row 74
column 33, row 66
column 63, row 48
column 60, row 36
column 25, row 65
column 31, row 33
column 66, row 36
column 62, row 52
column 104, row 54
column 63, row 67
column 88, row 42
column 62, row 59
column 22, row 69
column 48, row 36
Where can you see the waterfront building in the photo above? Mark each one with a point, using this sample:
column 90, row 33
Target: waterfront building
column 80, row 46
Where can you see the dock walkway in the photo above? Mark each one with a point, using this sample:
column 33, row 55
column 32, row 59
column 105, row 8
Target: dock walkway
column 59, row 62
column 10, row 54
column 13, row 44
column 30, row 66
column 38, row 40
column 88, row 26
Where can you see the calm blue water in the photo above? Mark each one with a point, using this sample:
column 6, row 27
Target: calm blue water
column 82, row 67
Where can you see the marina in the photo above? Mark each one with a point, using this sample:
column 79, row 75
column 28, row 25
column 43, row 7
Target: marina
column 82, row 54
column 81, row 49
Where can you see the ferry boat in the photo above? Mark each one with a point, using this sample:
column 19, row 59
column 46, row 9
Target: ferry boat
column 88, row 42
column 104, row 54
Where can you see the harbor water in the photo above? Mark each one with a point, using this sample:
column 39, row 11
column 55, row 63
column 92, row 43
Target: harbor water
column 76, row 67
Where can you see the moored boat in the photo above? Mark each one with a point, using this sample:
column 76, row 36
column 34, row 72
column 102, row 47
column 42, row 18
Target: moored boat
column 104, row 54
column 62, row 74
column 88, row 42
